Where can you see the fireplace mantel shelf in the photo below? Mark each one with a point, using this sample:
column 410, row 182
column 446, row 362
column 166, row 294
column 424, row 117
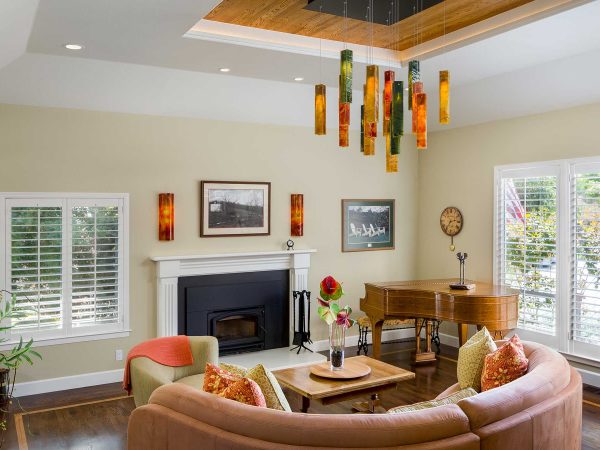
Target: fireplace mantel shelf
column 230, row 255
column 170, row 268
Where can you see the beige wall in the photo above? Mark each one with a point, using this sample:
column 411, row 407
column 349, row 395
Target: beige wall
column 44, row 149
column 458, row 169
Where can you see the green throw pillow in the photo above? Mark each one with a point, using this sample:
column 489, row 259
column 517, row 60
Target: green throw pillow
column 471, row 357
column 451, row 399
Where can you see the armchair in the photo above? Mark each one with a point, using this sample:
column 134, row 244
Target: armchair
column 147, row 375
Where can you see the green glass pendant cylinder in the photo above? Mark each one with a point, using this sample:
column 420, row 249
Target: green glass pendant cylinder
column 414, row 74
column 397, row 116
column 346, row 76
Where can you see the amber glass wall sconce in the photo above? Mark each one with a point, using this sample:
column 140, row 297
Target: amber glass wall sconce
column 297, row 215
column 166, row 217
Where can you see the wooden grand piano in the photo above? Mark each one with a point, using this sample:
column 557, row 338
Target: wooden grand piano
column 492, row 306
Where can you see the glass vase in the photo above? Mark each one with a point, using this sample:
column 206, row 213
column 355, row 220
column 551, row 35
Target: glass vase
column 337, row 342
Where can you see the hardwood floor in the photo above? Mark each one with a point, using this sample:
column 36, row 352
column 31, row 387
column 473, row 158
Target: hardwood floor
column 96, row 417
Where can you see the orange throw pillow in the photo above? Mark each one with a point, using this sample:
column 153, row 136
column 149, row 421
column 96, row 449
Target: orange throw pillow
column 504, row 365
column 216, row 380
column 245, row 391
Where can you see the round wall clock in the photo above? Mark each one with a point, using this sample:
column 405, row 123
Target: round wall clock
column 451, row 222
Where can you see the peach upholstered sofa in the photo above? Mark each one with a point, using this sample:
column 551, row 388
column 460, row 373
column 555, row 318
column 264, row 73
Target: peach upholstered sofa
column 541, row 410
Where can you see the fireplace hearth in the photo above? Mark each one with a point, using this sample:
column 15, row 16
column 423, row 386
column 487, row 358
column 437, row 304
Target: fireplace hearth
column 245, row 311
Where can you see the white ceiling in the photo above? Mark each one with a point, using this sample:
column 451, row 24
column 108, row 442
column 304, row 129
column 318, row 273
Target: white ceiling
column 136, row 59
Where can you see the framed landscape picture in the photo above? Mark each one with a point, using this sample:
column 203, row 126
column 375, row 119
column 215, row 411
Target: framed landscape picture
column 367, row 225
column 235, row 208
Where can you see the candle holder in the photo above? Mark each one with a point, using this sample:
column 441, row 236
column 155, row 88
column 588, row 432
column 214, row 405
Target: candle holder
column 461, row 283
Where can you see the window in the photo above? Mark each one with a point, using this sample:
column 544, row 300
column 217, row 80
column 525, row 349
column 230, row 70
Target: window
column 66, row 260
column 547, row 246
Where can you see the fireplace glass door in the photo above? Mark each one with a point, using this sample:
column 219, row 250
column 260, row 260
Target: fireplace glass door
column 238, row 330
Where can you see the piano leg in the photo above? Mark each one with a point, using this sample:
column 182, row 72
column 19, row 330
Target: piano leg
column 376, row 336
column 420, row 356
column 463, row 333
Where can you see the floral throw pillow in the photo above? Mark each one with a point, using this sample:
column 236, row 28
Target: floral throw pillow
column 245, row 391
column 216, row 380
column 504, row 365
column 470, row 359
column 270, row 388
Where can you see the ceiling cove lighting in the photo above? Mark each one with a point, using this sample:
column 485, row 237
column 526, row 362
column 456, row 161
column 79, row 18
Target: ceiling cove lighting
column 73, row 47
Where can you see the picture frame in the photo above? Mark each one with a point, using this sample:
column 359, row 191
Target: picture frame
column 368, row 224
column 235, row 208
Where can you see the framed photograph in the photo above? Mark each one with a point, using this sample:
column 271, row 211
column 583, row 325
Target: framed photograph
column 367, row 225
column 235, row 208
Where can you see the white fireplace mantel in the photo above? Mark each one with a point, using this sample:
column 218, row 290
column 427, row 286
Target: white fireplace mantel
column 170, row 268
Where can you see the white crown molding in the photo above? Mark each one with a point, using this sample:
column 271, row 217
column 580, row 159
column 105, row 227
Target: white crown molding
column 286, row 42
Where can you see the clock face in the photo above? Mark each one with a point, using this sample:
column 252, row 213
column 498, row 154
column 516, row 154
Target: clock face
column 451, row 221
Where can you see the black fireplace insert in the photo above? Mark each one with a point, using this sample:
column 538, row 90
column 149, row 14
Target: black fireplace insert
column 245, row 311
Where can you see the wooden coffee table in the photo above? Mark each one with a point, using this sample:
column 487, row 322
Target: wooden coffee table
column 383, row 376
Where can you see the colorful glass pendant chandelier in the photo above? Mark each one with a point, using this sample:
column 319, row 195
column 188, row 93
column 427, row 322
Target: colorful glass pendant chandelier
column 414, row 75
column 417, row 89
column 444, row 97
column 421, row 106
column 320, row 109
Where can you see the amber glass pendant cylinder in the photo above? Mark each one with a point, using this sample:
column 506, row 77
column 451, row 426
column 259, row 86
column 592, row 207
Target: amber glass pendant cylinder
column 166, row 217
column 421, row 106
column 320, row 110
column 417, row 89
column 396, row 116
column 346, row 76
column 389, row 76
column 297, row 215
column 414, row 75
column 362, row 128
column 391, row 161
column 344, row 114
column 444, row 97
column 372, row 101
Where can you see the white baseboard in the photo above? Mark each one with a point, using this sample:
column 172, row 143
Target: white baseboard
column 448, row 339
column 589, row 377
column 65, row 383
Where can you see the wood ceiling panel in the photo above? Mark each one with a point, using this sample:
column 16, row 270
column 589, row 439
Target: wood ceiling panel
column 289, row 16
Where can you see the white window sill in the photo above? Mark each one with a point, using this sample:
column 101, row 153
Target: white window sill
column 48, row 341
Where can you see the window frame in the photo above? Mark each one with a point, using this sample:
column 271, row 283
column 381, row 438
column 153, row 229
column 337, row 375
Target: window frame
column 69, row 334
column 564, row 170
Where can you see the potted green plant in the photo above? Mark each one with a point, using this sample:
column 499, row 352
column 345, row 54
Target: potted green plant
column 12, row 358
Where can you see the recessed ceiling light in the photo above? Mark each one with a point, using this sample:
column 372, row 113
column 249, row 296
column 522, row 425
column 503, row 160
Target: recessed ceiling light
column 406, row 89
column 298, row 79
column 224, row 69
column 74, row 47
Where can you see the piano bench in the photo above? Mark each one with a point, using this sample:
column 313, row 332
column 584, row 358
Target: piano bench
column 364, row 328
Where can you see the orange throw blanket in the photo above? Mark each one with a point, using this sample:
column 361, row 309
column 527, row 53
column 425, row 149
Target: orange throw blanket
column 174, row 351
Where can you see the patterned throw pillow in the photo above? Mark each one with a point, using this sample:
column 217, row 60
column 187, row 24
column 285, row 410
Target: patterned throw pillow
column 216, row 380
column 504, row 365
column 245, row 391
column 270, row 388
column 234, row 369
column 453, row 398
column 471, row 357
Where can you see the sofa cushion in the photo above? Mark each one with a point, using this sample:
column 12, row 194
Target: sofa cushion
column 504, row 365
column 216, row 380
column 453, row 398
column 270, row 388
column 245, row 391
column 471, row 357
column 196, row 381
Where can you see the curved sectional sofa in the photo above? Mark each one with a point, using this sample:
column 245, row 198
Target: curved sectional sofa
column 541, row 410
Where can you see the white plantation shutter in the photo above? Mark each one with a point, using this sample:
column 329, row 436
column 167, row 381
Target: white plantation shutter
column 95, row 265
column 36, row 263
column 526, row 245
column 585, row 264
column 65, row 259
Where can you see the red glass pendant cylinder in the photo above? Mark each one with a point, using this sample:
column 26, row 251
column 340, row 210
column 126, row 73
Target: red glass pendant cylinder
column 166, row 217
column 417, row 89
column 421, row 107
column 344, row 124
column 387, row 100
column 297, row 215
